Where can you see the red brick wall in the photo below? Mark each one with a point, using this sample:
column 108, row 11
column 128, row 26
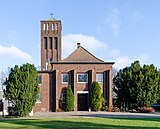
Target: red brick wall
column 51, row 97
column 45, row 91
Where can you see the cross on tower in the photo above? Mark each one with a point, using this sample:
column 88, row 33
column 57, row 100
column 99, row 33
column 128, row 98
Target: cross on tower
column 51, row 15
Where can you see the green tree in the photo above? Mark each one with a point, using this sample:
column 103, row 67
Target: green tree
column 22, row 88
column 96, row 96
column 137, row 86
column 69, row 104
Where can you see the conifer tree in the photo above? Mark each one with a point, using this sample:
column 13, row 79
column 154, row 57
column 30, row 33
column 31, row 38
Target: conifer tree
column 137, row 86
column 22, row 88
column 96, row 96
column 69, row 104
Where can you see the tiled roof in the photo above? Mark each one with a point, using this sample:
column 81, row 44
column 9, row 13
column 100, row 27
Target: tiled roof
column 81, row 55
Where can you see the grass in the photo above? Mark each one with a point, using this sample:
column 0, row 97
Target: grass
column 81, row 123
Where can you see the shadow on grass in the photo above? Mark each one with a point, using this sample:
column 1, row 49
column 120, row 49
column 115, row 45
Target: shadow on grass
column 124, row 117
column 63, row 124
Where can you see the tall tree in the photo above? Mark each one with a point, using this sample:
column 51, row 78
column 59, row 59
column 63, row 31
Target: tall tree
column 137, row 86
column 69, row 104
column 96, row 96
column 22, row 88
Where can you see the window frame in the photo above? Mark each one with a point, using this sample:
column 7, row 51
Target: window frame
column 39, row 98
column 63, row 97
column 67, row 78
column 82, row 74
column 39, row 76
column 97, row 74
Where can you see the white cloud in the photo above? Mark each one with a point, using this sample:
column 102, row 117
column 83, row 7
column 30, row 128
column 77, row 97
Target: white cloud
column 11, row 56
column 90, row 43
column 100, row 50
column 136, row 17
column 14, row 52
column 114, row 20
column 123, row 61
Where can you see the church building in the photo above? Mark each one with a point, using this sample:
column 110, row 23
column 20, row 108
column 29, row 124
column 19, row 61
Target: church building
column 79, row 70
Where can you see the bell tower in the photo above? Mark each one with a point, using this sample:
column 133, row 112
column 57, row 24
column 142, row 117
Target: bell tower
column 50, row 42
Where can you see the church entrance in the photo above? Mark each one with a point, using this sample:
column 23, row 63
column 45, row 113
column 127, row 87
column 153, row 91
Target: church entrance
column 83, row 102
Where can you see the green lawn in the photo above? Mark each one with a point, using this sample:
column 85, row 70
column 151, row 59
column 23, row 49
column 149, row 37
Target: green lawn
column 80, row 123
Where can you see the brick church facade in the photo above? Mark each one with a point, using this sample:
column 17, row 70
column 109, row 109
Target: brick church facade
column 79, row 70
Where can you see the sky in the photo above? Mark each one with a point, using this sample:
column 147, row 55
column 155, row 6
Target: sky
column 121, row 31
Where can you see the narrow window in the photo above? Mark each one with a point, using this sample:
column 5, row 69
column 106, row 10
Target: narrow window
column 65, row 78
column 55, row 43
column 50, row 43
column 39, row 99
column 48, row 26
column 45, row 43
column 39, row 79
column 63, row 97
column 44, row 26
column 99, row 78
column 52, row 26
column 82, row 78
column 56, row 26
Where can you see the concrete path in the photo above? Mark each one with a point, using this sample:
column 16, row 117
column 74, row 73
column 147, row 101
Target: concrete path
column 94, row 114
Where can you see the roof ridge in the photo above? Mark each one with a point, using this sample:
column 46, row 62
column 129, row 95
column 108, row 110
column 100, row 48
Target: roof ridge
column 81, row 55
column 91, row 54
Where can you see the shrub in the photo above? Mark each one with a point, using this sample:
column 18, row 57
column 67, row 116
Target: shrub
column 96, row 96
column 69, row 103
column 104, row 106
column 116, row 109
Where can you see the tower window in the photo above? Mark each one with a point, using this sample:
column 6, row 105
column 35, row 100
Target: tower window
column 48, row 26
column 44, row 26
column 52, row 26
column 55, row 43
column 56, row 27
column 50, row 43
column 45, row 43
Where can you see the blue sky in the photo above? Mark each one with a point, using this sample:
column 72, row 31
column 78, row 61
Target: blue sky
column 113, row 30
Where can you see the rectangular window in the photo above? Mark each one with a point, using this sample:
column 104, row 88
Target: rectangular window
column 99, row 78
column 56, row 26
column 55, row 43
column 39, row 99
column 82, row 78
column 39, row 79
column 47, row 26
column 52, row 26
column 45, row 43
column 50, row 43
column 44, row 26
column 65, row 78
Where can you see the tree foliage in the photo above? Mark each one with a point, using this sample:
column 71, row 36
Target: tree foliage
column 69, row 104
column 22, row 88
column 137, row 86
column 96, row 96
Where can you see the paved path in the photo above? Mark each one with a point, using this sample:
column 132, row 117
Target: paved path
column 94, row 114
